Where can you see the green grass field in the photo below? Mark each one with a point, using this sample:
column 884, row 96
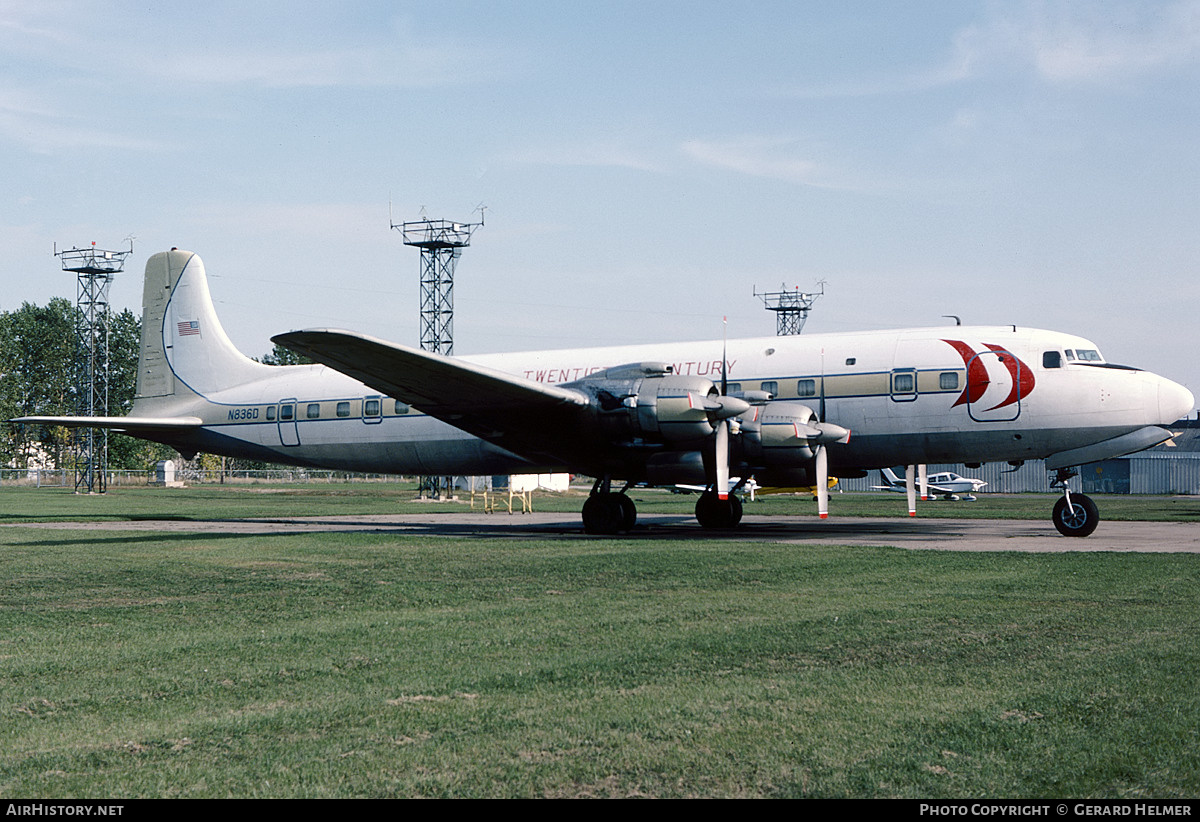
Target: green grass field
column 137, row 664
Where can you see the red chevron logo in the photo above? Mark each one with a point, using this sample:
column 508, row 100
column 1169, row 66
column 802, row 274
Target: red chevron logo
column 978, row 378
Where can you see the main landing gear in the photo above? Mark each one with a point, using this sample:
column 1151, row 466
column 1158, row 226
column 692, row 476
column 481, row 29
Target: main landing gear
column 1075, row 515
column 607, row 512
column 714, row 512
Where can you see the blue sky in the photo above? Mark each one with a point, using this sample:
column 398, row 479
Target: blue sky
column 645, row 165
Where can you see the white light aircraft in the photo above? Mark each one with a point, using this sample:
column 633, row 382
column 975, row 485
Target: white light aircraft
column 946, row 484
column 779, row 408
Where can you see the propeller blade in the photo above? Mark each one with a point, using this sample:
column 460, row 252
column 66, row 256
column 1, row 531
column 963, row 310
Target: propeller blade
column 923, row 480
column 722, row 460
column 725, row 357
column 822, row 472
column 910, row 472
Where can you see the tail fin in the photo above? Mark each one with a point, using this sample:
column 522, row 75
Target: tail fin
column 890, row 477
column 185, row 351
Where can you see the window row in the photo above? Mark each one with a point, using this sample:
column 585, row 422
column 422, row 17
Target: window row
column 312, row 411
column 902, row 382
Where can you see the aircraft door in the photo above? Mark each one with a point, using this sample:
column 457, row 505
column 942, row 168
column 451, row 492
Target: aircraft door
column 904, row 384
column 372, row 410
column 289, row 432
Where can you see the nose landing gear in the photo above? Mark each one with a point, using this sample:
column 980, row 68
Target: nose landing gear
column 1075, row 515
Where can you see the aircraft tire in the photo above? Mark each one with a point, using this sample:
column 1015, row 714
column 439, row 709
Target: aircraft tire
column 714, row 512
column 1081, row 522
column 628, row 512
column 605, row 514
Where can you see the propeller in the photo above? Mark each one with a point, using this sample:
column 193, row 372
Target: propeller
column 824, row 434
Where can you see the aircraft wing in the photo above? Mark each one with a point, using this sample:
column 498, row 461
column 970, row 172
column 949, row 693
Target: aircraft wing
column 518, row 414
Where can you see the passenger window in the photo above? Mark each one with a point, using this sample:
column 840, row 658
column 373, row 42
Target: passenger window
column 948, row 381
column 343, row 409
column 286, row 412
column 371, row 408
column 314, row 411
column 771, row 387
column 903, row 383
column 1051, row 359
column 734, row 387
column 270, row 413
column 401, row 408
column 806, row 388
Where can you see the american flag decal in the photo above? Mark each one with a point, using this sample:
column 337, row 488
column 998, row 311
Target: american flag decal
column 188, row 328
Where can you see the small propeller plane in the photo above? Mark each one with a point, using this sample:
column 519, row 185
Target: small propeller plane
column 945, row 484
column 661, row 414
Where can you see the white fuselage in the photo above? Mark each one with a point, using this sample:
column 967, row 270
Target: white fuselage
column 954, row 394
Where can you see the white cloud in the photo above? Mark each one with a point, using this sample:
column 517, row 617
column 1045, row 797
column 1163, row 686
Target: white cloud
column 1073, row 42
column 769, row 157
column 42, row 129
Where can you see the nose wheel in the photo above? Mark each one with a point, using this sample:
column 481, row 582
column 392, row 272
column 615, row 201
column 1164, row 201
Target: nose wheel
column 1075, row 515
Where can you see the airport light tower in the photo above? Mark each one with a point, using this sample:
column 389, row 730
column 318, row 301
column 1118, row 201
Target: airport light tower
column 94, row 269
column 791, row 307
column 441, row 243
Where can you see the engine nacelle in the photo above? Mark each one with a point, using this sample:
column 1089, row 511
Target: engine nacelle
column 780, row 434
column 784, row 434
column 677, row 408
column 648, row 403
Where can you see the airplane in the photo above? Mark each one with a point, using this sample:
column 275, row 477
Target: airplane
column 779, row 408
column 947, row 484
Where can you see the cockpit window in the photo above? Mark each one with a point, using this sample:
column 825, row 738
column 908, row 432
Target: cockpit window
column 1088, row 355
column 1051, row 359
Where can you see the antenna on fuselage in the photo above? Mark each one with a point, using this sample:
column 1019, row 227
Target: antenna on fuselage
column 957, row 319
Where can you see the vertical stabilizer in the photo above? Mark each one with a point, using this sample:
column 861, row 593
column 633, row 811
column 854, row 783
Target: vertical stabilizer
column 185, row 351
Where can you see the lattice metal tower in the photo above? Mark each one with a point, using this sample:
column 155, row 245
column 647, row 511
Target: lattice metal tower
column 791, row 307
column 94, row 269
column 441, row 243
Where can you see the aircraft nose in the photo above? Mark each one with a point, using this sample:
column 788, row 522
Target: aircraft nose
column 1174, row 401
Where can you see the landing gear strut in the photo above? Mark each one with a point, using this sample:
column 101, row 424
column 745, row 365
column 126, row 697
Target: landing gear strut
column 1075, row 515
column 607, row 512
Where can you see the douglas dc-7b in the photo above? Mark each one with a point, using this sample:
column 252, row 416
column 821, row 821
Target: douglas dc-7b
column 780, row 409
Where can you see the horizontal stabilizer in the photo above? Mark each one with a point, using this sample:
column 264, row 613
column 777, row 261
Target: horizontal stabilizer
column 118, row 423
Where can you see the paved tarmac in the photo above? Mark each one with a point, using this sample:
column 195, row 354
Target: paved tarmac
column 915, row 534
